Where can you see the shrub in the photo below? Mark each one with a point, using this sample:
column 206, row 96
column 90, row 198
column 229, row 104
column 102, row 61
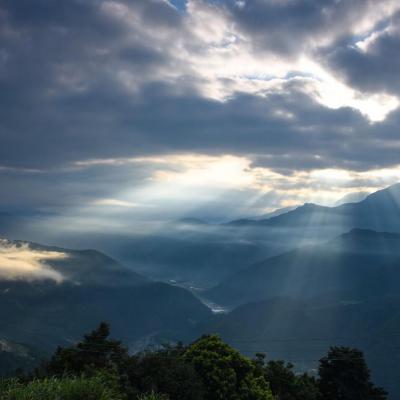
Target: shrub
column 77, row 388
column 225, row 373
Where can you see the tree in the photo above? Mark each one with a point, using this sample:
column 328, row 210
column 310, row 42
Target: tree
column 165, row 371
column 225, row 373
column 307, row 388
column 282, row 380
column 286, row 385
column 344, row 375
column 95, row 352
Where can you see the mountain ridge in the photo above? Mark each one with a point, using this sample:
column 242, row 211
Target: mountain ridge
column 350, row 215
column 310, row 270
column 40, row 311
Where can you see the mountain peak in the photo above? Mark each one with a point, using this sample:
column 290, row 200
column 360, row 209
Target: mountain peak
column 390, row 191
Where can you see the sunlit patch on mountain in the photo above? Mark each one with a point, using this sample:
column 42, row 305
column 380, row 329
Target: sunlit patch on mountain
column 20, row 261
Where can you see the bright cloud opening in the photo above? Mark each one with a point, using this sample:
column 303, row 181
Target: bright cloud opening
column 185, row 181
column 222, row 58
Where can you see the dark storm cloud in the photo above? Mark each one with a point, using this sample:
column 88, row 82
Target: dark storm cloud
column 104, row 124
column 58, row 63
column 374, row 69
column 292, row 27
column 89, row 79
column 69, row 188
column 100, row 126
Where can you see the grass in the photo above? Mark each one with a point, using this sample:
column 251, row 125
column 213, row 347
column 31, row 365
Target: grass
column 73, row 388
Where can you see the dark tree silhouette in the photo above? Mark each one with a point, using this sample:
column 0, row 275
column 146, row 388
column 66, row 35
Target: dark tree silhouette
column 95, row 352
column 206, row 369
column 225, row 373
column 284, row 383
column 344, row 375
column 165, row 371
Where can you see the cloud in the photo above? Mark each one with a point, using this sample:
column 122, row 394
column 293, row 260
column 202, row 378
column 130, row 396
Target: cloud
column 149, row 79
column 295, row 27
column 218, row 187
column 21, row 262
column 370, row 64
column 114, row 203
column 122, row 100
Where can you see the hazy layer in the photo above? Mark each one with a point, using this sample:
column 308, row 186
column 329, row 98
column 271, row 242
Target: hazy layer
column 22, row 262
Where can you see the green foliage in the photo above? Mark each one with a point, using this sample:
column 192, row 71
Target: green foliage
column 165, row 371
column 99, row 368
column 344, row 375
column 286, row 385
column 225, row 373
column 72, row 388
column 7, row 384
column 307, row 388
column 96, row 352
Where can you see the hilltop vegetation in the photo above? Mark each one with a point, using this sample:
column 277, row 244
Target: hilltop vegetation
column 100, row 368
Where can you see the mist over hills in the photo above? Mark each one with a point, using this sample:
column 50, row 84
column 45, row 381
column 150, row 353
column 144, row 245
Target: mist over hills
column 301, row 331
column 83, row 288
column 342, row 291
column 201, row 258
column 175, row 168
column 379, row 211
column 206, row 254
column 324, row 273
column 361, row 263
column 202, row 254
column 80, row 267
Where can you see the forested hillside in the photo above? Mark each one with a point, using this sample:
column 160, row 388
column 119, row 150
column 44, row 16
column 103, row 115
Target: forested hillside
column 99, row 367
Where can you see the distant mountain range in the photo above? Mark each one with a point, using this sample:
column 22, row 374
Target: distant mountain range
column 359, row 264
column 343, row 291
column 302, row 331
column 206, row 254
column 38, row 312
column 295, row 283
column 379, row 211
column 81, row 267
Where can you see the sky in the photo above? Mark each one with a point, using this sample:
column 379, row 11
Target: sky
column 113, row 111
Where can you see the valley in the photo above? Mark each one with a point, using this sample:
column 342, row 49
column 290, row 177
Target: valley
column 290, row 302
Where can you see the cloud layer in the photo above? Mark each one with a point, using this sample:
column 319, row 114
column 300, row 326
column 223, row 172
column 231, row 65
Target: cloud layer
column 292, row 89
column 20, row 262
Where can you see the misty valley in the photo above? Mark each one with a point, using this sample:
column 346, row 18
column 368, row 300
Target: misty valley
column 290, row 286
column 199, row 200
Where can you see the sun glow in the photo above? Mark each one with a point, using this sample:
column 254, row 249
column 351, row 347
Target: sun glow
column 224, row 60
column 183, row 181
column 221, row 172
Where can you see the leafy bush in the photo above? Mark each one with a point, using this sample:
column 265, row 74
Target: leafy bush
column 285, row 384
column 77, row 388
column 165, row 371
column 225, row 373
